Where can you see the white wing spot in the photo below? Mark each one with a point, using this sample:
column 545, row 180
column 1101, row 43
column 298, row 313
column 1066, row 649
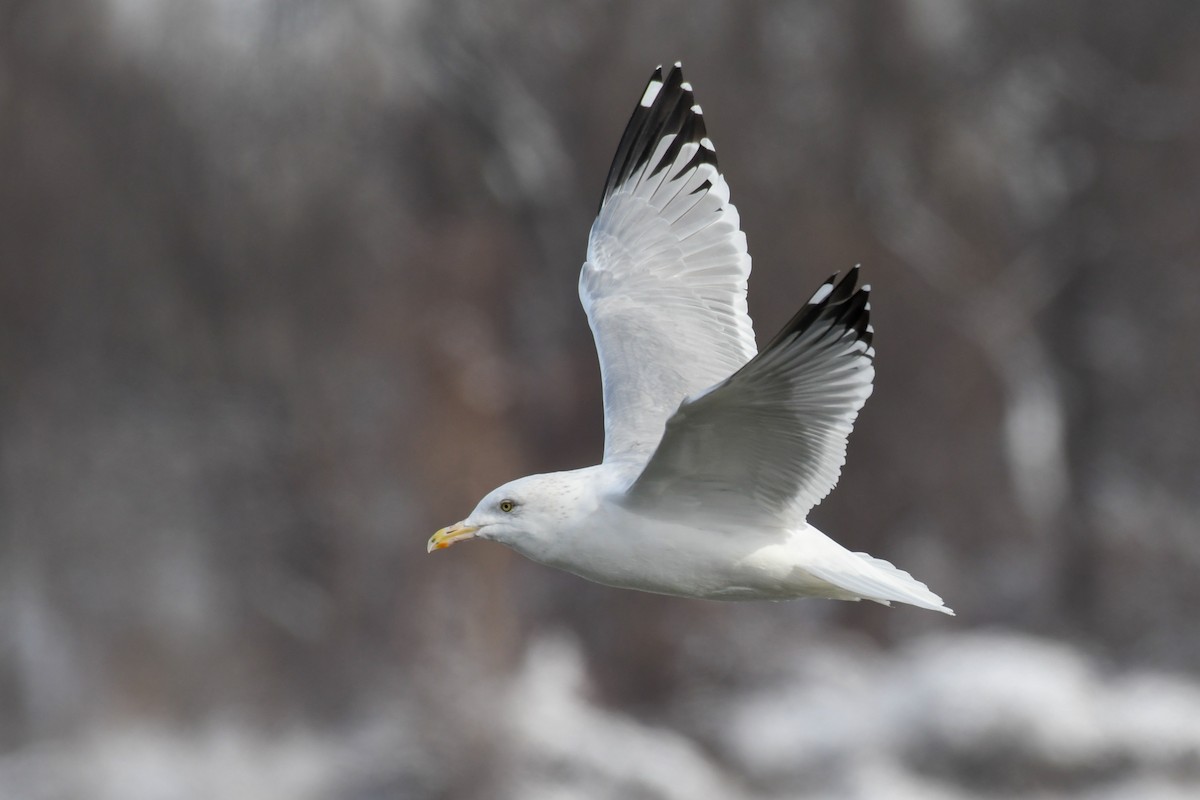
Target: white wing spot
column 679, row 64
column 697, row 110
column 687, row 87
column 821, row 294
column 707, row 144
column 651, row 92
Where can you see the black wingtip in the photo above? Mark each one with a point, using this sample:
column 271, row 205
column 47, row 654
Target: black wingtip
column 840, row 304
column 667, row 107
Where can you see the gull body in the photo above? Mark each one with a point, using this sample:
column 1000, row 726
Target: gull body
column 715, row 451
column 576, row 521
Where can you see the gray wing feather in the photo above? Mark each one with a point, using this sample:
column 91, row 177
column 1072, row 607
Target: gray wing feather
column 770, row 441
column 664, row 285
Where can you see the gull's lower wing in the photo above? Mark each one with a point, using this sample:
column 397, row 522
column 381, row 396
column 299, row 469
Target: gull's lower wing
column 664, row 284
column 770, row 442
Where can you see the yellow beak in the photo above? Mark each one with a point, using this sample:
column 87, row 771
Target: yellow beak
column 452, row 534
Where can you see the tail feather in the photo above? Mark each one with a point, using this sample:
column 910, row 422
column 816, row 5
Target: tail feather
column 875, row 579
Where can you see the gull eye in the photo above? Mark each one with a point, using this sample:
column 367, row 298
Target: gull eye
column 507, row 506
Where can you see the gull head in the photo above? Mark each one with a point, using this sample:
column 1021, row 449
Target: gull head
column 526, row 514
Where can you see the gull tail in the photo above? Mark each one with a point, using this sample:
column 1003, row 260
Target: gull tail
column 871, row 578
column 904, row 588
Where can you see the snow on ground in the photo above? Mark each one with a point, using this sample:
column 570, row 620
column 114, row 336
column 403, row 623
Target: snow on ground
column 564, row 743
column 965, row 716
column 980, row 715
column 138, row 761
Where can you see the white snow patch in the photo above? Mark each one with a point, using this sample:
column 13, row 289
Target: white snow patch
column 572, row 748
column 964, row 715
column 1028, row 704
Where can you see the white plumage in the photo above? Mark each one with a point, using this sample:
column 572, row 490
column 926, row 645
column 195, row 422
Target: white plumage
column 714, row 453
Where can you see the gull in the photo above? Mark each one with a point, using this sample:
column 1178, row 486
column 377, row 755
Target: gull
column 715, row 451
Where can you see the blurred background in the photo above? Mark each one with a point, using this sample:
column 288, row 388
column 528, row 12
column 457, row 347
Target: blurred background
column 285, row 286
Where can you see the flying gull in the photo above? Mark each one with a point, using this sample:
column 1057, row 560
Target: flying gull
column 714, row 451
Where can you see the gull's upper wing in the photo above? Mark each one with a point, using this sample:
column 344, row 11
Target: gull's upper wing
column 770, row 442
column 664, row 284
